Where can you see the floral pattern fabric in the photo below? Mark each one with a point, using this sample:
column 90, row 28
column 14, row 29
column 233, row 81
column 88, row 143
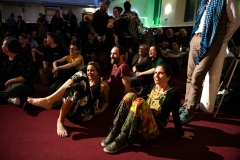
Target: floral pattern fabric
column 142, row 115
column 80, row 94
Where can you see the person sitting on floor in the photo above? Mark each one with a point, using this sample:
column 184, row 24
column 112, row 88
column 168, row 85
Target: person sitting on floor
column 15, row 77
column 174, row 58
column 65, row 71
column 146, row 118
column 119, row 80
column 144, row 71
column 83, row 97
column 141, row 57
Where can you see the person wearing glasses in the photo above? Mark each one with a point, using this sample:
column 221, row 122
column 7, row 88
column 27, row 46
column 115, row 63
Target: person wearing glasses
column 137, row 58
column 69, row 65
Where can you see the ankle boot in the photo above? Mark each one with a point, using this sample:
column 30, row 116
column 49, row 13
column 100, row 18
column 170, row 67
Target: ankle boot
column 119, row 143
column 120, row 116
column 142, row 92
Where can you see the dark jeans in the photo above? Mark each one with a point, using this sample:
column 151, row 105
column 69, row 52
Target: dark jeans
column 16, row 90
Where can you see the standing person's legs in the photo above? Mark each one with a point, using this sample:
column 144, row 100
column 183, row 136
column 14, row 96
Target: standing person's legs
column 195, row 80
column 194, row 47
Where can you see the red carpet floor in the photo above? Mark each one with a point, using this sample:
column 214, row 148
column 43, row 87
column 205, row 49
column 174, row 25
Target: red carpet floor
column 32, row 135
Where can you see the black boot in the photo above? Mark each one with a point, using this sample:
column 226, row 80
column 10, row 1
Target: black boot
column 119, row 143
column 110, row 137
column 120, row 116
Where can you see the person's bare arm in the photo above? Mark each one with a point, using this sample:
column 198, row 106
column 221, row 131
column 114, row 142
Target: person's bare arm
column 59, row 60
column 15, row 80
column 126, row 84
column 174, row 55
column 150, row 71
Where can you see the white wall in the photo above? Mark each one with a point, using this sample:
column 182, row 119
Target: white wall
column 32, row 11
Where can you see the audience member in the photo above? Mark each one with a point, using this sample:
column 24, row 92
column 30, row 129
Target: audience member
column 11, row 23
column 52, row 53
column 41, row 26
column 62, row 72
column 169, row 36
column 164, row 48
column 21, row 25
column 98, row 28
column 36, row 38
column 149, row 37
column 159, row 37
column 145, row 70
column 70, row 20
column 183, row 40
column 25, row 48
column 83, row 97
column 174, row 58
column 133, row 24
column 146, row 118
column 56, row 22
column 141, row 57
column 30, row 40
column 15, row 78
column 119, row 80
column 38, row 53
column 121, row 31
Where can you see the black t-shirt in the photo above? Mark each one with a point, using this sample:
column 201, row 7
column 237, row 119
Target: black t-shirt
column 14, row 68
column 99, row 22
column 53, row 54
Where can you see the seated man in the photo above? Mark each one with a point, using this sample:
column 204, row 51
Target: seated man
column 164, row 46
column 119, row 80
column 174, row 58
column 15, row 78
column 52, row 53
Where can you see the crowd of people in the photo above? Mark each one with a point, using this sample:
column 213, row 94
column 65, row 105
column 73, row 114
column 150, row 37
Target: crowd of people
column 70, row 62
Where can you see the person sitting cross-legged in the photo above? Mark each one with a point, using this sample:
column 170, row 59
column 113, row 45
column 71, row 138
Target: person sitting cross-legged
column 146, row 118
column 62, row 72
column 83, row 97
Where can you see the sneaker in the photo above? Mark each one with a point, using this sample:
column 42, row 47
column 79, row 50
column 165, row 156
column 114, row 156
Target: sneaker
column 119, row 143
column 181, row 109
column 109, row 139
column 185, row 116
column 14, row 100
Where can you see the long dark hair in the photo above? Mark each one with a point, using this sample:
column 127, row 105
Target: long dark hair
column 149, row 60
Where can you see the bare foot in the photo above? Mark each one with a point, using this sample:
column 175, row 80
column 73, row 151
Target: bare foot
column 61, row 130
column 40, row 102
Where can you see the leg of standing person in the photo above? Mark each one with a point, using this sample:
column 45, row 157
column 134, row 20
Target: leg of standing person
column 196, row 75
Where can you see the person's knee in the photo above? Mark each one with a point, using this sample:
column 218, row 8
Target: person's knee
column 130, row 97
